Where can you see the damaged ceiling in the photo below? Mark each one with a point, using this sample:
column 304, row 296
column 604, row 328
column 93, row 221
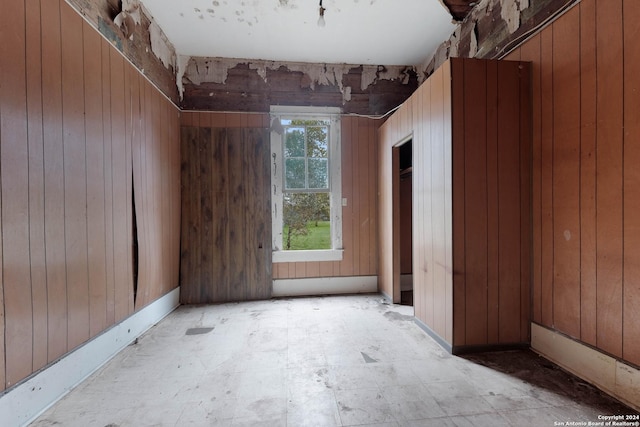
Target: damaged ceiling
column 368, row 32
column 460, row 8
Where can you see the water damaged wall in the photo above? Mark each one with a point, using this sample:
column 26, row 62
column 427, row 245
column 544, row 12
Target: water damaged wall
column 495, row 27
column 128, row 26
column 219, row 84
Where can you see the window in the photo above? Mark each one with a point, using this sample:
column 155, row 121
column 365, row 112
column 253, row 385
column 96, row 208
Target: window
column 306, row 182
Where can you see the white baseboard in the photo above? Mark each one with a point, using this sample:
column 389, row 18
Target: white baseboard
column 23, row 403
column 325, row 286
column 614, row 377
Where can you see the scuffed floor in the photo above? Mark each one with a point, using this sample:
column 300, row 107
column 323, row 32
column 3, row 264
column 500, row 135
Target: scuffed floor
column 331, row 361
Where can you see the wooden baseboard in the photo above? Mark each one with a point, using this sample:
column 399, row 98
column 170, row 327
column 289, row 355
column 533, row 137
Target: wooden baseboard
column 611, row 375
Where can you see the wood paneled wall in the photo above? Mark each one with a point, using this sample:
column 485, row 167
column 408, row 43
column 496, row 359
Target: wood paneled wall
column 78, row 126
column 586, row 180
column 359, row 187
column 470, row 128
column 226, row 215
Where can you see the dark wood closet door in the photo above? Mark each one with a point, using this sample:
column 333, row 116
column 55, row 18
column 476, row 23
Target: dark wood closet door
column 226, row 215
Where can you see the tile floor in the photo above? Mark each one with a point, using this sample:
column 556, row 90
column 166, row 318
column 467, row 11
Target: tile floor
column 329, row 361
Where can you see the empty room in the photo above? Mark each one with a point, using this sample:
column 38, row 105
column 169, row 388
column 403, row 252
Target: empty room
column 319, row 212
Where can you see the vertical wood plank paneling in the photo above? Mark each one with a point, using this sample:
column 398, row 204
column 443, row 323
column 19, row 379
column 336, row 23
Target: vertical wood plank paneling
column 509, row 203
column 108, row 181
column 14, row 169
column 458, row 202
column 424, row 266
column 531, row 52
column 348, row 241
column 139, row 192
column 36, row 183
column 75, row 177
column 95, row 180
column 524, row 141
column 189, row 274
column 588, row 306
column 438, row 201
column 546, row 227
column 493, row 219
column 631, row 300
column 257, row 262
column 356, row 196
column 475, row 193
column 448, row 200
column 609, row 176
column 119, row 189
column 207, row 248
column 57, row 166
column 362, row 184
column 164, row 199
column 220, row 190
column 566, row 175
column 176, row 208
column 373, row 189
column 54, row 181
column 237, row 213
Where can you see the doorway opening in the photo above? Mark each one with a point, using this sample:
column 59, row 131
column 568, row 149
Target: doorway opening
column 403, row 223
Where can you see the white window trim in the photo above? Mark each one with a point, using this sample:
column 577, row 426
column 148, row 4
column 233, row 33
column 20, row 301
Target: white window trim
column 335, row 171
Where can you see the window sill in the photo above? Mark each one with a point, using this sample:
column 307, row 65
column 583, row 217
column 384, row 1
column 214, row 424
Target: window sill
column 308, row 256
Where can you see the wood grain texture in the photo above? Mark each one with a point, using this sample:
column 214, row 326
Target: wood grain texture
column 70, row 113
column 631, row 300
column 509, row 146
column 588, row 126
column 225, row 215
column 493, row 219
column 458, row 202
column 583, row 181
column 36, row 183
column 75, row 178
column 531, row 52
column 546, row 204
column 475, row 194
column 96, row 239
column 566, row 176
column 14, row 170
column 471, row 138
column 54, row 181
column 609, row 180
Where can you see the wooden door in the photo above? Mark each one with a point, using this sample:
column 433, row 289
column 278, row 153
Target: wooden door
column 226, row 215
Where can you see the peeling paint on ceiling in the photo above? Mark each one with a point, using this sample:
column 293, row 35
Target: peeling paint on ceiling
column 389, row 32
column 216, row 70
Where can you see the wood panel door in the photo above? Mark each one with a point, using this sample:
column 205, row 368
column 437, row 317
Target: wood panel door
column 226, row 215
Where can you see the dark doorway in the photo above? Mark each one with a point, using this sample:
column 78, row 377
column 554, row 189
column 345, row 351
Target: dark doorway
column 403, row 224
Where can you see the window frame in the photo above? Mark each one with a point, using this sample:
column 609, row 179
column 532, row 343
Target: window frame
column 332, row 115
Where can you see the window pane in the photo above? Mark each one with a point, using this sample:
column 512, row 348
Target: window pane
column 294, row 173
column 318, row 174
column 294, row 144
column 306, row 222
column 318, row 142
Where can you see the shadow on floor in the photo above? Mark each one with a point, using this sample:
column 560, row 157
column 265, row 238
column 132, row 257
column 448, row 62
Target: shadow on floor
column 540, row 372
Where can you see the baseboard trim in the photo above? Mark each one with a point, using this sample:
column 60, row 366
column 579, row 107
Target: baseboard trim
column 441, row 341
column 21, row 404
column 324, row 286
column 611, row 375
column 485, row 348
